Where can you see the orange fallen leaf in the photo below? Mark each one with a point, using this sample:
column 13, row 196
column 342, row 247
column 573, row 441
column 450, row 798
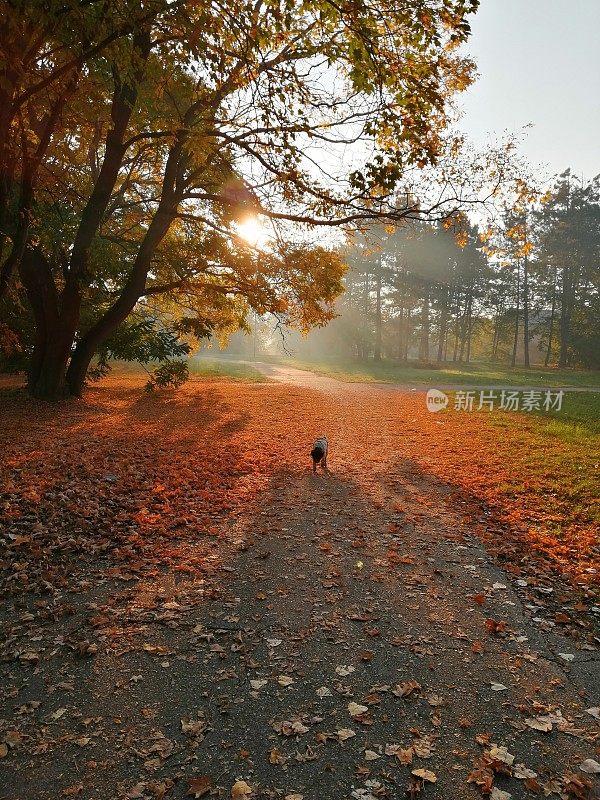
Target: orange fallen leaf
column 425, row 775
column 198, row 787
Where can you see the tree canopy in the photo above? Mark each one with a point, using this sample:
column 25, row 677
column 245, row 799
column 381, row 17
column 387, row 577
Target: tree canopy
column 134, row 137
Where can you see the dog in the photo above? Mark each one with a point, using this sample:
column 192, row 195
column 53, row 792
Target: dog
column 319, row 453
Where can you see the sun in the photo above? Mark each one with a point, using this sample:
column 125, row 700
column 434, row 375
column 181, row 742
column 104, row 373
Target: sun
column 252, row 231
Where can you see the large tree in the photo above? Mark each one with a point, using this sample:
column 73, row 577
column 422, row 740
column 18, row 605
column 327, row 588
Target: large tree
column 135, row 137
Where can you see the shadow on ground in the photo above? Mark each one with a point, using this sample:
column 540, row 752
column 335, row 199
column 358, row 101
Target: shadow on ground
column 354, row 632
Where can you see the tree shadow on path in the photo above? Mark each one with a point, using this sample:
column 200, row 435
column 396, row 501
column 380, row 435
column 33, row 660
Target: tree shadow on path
column 332, row 595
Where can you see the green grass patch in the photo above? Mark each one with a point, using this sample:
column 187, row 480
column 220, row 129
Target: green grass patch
column 563, row 451
column 577, row 420
column 579, row 417
column 214, row 368
column 479, row 374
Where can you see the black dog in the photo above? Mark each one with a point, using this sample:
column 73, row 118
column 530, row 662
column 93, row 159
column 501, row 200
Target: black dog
column 319, row 453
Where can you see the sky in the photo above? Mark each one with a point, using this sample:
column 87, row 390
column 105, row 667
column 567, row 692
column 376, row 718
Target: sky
column 539, row 63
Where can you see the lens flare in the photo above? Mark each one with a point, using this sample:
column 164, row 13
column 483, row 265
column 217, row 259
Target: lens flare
column 252, row 231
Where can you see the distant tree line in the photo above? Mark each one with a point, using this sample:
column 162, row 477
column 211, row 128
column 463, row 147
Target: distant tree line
column 526, row 290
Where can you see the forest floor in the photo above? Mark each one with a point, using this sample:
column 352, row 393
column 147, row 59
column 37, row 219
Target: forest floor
column 187, row 611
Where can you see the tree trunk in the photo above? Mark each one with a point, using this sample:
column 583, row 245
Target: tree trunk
column 457, row 316
column 469, row 327
column 517, row 310
column 408, row 320
column 526, row 311
column 551, row 331
column 400, row 332
column 443, row 327
column 465, row 326
column 565, row 317
column 54, row 329
column 378, row 325
column 496, row 334
column 424, row 343
column 125, row 303
column 365, row 326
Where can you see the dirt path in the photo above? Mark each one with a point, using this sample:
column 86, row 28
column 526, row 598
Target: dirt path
column 353, row 641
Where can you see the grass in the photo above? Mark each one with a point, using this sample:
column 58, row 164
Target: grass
column 479, row 374
column 201, row 367
column 564, row 452
column 226, row 369
column 578, row 418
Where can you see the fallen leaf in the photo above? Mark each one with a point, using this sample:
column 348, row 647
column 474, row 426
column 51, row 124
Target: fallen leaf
column 498, row 794
column 258, row 684
column 345, row 733
column 482, row 777
column 13, row 738
column 498, row 687
column 495, row 627
column 371, row 755
column 425, row 775
column 193, row 727
column 520, row 771
column 299, row 728
column 276, row 757
column 355, row 710
column 405, row 689
column 566, row 656
column 590, row 766
column 539, row 724
column 73, row 791
column 149, row 648
column 240, row 790
column 435, row 700
column 198, row 787
column 500, row 753
column 422, row 747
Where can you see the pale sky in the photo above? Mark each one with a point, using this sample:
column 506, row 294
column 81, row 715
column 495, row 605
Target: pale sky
column 539, row 62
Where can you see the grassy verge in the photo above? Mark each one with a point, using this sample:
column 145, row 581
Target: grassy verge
column 225, row 369
column 449, row 374
column 537, row 471
column 562, row 461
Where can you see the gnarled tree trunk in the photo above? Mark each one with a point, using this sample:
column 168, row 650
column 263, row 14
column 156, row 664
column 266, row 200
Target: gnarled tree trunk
column 56, row 326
